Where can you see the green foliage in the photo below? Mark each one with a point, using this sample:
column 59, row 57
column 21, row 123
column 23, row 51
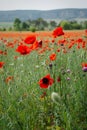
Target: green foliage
column 53, row 24
column 24, row 26
column 41, row 24
column 3, row 29
column 76, row 25
column 17, row 24
column 10, row 29
column 85, row 24
column 71, row 25
column 32, row 29
column 66, row 25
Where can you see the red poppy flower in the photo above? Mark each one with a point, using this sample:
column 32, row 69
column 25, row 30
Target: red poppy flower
column 23, row 50
column 1, row 52
column 40, row 43
column 84, row 64
column 58, row 50
column 83, row 44
column 58, row 79
column 8, row 79
column 79, row 40
column 58, row 32
column 1, row 64
column 46, row 81
column 53, row 56
column 86, row 31
column 30, row 39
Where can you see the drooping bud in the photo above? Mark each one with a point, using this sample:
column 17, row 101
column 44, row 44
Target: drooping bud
column 55, row 97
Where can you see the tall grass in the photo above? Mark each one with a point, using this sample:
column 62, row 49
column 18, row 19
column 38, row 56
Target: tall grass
column 23, row 105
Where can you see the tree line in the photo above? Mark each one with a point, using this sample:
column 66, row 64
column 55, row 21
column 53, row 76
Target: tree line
column 40, row 24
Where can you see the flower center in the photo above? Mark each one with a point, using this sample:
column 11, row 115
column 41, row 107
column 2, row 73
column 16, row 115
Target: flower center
column 45, row 81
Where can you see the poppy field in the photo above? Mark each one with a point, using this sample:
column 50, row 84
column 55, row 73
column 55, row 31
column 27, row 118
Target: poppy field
column 43, row 80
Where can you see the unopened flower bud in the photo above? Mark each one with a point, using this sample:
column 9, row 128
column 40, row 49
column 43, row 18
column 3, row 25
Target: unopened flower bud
column 55, row 97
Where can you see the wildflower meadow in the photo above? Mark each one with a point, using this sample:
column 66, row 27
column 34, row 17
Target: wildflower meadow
column 43, row 80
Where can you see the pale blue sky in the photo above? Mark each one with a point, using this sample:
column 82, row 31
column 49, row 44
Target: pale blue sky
column 41, row 4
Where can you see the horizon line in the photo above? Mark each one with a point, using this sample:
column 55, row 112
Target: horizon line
column 41, row 9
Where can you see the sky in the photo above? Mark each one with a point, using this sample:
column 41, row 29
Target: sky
column 41, row 4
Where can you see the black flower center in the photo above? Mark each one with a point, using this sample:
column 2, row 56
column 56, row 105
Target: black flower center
column 45, row 81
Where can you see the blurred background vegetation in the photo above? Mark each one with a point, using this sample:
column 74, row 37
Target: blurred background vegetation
column 40, row 25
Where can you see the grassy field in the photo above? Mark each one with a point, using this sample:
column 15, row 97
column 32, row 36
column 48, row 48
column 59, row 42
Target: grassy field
column 43, row 81
column 6, row 24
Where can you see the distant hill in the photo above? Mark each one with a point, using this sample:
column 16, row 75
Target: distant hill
column 61, row 14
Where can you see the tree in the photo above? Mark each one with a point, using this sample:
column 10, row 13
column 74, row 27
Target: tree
column 17, row 24
column 3, row 29
column 32, row 29
column 53, row 24
column 85, row 24
column 40, row 24
column 76, row 25
column 10, row 29
column 24, row 26
column 66, row 25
